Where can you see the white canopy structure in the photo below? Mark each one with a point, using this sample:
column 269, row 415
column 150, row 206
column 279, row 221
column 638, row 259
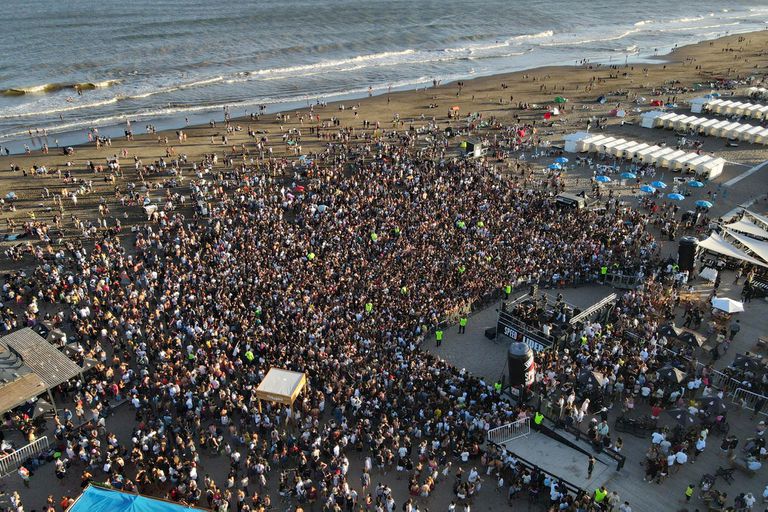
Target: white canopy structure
column 757, row 248
column 748, row 227
column 715, row 127
column 717, row 244
column 281, row 386
column 758, row 219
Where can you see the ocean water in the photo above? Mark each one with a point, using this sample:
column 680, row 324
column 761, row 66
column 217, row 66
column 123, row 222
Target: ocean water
column 164, row 62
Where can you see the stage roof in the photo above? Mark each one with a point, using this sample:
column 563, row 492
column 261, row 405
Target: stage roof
column 281, row 386
column 97, row 499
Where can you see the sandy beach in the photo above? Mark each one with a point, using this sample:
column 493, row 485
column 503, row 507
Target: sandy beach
column 489, row 100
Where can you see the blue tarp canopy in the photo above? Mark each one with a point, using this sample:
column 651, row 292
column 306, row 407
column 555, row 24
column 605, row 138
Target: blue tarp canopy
column 96, row 499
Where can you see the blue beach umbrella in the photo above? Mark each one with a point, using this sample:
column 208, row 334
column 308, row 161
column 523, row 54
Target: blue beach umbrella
column 695, row 184
column 676, row 197
column 648, row 188
column 659, row 184
column 628, row 175
column 603, row 179
column 561, row 160
column 555, row 167
column 703, row 204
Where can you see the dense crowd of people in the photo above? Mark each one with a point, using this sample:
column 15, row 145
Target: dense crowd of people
column 342, row 277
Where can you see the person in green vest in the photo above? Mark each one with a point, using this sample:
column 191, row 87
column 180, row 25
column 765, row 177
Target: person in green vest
column 439, row 337
column 249, row 355
column 497, row 387
column 311, row 256
column 374, row 237
column 397, row 230
column 461, row 224
column 600, row 494
column 463, row 324
column 688, row 492
column 462, row 269
column 603, row 273
column 404, row 290
column 368, row 307
column 538, row 419
column 507, row 291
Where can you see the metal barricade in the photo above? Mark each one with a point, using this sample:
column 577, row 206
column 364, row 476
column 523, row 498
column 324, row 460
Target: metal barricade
column 747, row 399
column 510, row 431
column 13, row 461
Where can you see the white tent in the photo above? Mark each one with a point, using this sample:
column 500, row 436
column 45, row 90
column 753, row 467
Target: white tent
column 760, row 137
column 710, row 169
column 650, row 119
column 670, row 122
column 664, row 160
column 715, row 243
column 746, row 226
column 607, row 147
column 592, row 144
column 714, row 129
column 680, row 161
column 644, row 154
column 700, row 159
column 654, row 157
column 697, row 104
column 575, row 141
column 598, row 147
column 750, row 134
column 632, row 152
column 619, row 150
column 704, row 127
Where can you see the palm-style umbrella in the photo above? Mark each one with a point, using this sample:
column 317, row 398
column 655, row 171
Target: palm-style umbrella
column 701, row 203
column 649, row 189
column 683, row 417
column 727, row 305
column 692, row 338
column 561, row 160
column 747, row 363
column 603, row 179
column 591, row 378
column 670, row 331
column 560, row 99
column 714, row 406
column 628, row 175
column 555, row 166
column 659, row 184
column 676, row 197
column 695, row 184
column 41, row 407
column 671, row 374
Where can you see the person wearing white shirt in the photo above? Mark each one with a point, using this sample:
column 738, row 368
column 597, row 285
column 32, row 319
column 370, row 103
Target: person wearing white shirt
column 681, row 458
column 657, row 437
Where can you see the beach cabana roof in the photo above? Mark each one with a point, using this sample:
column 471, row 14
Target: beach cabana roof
column 748, row 227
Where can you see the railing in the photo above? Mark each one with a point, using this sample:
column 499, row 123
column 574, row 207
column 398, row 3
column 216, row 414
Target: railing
column 510, row 431
column 13, row 461
column 748, row 399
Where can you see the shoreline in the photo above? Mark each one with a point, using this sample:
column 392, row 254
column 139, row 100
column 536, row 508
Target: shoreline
column 173, row 122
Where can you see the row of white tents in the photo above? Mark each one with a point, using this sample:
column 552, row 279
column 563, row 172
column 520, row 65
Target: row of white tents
column 745, row 240
column 705, row 126
column 706, row 166
column 728, row 107
column 758, row 93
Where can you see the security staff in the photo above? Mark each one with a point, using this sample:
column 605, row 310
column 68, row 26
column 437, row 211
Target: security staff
column 439, row 337
column 462, row 324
